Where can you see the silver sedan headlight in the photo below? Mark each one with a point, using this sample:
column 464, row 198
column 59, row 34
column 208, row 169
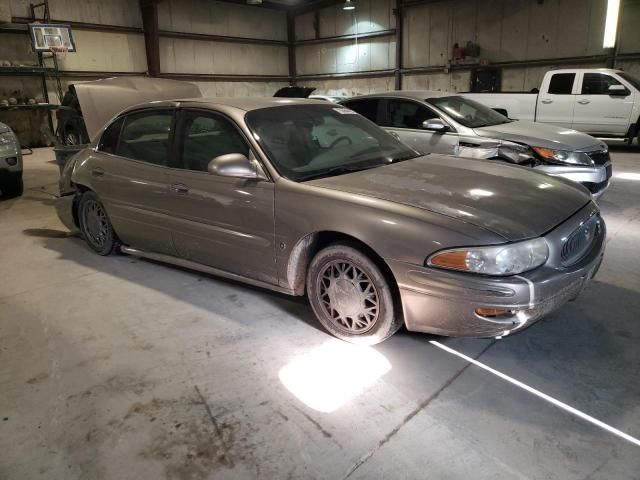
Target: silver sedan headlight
column 509, row 259
column 563, row 156
column 8, row 142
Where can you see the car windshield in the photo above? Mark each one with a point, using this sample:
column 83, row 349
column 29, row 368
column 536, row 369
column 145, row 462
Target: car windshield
column 467, row 112
column 313, row 141
column 631, row 79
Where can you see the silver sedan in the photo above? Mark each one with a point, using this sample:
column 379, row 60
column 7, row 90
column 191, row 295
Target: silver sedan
column 303, row 196
column 442, row 122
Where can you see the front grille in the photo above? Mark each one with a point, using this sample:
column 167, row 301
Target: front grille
column 600, row 157
column 581, row 241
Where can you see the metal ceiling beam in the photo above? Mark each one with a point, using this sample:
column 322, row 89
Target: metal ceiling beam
column 313, row 6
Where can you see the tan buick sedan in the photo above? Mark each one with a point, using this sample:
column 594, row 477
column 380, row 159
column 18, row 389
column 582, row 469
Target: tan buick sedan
column 304, row 196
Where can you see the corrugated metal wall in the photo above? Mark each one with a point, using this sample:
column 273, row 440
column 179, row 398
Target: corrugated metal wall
column 506, row 30
column 124, row 52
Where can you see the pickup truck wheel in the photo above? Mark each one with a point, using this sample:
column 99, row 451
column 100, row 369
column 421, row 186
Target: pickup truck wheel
column 12, row 185
column 95, row 226
column 350, row 296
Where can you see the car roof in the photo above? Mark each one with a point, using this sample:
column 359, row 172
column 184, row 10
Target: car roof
column 241, row 103
column 412, row 94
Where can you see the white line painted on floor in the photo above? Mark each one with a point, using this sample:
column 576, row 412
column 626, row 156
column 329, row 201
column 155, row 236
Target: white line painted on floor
column 538, row 393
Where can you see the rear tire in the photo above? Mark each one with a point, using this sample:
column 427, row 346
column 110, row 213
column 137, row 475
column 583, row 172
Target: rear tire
column 350, row 296
column 95, row 227
column 12, row 186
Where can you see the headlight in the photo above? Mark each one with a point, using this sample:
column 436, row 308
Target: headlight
column 509, row 259
column 563, row 156
column 7, row 142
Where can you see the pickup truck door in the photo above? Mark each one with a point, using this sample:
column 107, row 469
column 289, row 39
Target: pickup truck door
column 596, row 111
column 404, row 118
column 556, row 99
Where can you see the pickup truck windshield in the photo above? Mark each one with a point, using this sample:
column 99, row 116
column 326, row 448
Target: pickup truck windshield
column 467, row 112
column 313, row 141
column 631, row 79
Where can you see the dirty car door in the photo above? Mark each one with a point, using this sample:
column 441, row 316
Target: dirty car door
column 129, row 173
column 223, row 222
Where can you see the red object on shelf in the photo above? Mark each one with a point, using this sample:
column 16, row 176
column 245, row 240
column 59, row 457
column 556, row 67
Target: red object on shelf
column 457, row 53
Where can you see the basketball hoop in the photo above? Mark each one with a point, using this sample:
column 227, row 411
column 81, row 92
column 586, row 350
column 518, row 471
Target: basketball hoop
column 59, row 50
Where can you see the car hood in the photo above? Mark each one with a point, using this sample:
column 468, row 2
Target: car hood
column 101, row 100
column 3, row 128
column 514, row 202
column 540, row 135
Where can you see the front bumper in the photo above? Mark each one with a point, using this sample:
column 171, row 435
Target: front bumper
column 445, row 302
column 595, row 179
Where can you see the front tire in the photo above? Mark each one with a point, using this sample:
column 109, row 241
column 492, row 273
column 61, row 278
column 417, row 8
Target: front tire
column 351, row 297
column 95, row 227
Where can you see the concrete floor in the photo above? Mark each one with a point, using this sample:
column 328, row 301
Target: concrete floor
column 119, row 368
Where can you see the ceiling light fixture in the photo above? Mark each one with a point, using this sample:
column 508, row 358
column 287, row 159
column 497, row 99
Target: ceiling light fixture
column 348, row 5
column 611, row 24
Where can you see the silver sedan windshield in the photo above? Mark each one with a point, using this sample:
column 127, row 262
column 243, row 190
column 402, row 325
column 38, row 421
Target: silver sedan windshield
column 468, row 112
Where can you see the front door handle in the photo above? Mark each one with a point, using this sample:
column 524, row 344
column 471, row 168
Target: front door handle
column 97, row 172
column 583, row 101
column 179, row 188
column 547, row 101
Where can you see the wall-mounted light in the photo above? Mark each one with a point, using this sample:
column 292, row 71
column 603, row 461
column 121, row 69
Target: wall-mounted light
column 611, row 24
column 348, row 5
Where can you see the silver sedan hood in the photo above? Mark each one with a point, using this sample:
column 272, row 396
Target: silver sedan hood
column 540, row 135
column 514, row 202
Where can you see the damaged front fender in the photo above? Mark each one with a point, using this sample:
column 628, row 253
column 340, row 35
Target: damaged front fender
column 494, row 149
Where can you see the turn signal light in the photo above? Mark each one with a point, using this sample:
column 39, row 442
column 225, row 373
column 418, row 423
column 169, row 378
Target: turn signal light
column 492, row 312
column 544, row 152
column 455, row 260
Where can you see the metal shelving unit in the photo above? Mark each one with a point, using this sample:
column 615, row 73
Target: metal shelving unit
column 47, row 68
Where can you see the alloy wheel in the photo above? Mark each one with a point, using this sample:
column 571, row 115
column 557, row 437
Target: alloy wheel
column 348, row 297
column 96, row 223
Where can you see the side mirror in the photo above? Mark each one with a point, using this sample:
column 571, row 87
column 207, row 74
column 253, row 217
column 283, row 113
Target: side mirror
column 618, row 91
column 233, row 165
column 435, row 125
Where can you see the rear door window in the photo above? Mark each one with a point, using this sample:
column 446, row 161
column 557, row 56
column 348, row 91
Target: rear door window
column 146, row 136
column 368, row 108
column 110, row 137
column 561, row 83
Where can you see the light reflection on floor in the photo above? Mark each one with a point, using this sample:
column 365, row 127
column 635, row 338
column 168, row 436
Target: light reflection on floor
column 332, row 374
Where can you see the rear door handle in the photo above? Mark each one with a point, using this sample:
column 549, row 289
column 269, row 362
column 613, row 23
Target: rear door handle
column 583, row 101
column 179, row 188
column 97, row 172
column 547, row 101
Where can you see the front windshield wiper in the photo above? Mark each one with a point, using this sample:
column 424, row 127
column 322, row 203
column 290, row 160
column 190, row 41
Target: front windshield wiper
column 339, row 170
column 407, row 157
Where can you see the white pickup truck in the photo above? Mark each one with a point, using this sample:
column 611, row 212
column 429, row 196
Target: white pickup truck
column 598, row 101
